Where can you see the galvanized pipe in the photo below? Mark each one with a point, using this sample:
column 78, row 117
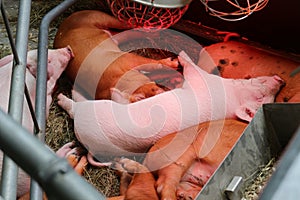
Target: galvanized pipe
column 9, row 34
column 56, row 176
column 15, row 108
column 41, row 95
column 41, row 84
column 17, row 61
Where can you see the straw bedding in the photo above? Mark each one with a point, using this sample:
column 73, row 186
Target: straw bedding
column 59, row 128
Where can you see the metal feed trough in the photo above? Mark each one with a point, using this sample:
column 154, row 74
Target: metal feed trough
column 273, row 129
column 264, row 138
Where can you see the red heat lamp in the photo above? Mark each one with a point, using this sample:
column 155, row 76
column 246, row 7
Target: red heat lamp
column 149, row 14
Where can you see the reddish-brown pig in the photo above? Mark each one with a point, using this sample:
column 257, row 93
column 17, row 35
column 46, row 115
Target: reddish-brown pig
column 99, row 64
column 181, row 165
column 194, row 179
column 200, row 150
column 236, row 60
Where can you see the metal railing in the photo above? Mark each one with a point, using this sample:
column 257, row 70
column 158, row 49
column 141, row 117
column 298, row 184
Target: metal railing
column 54, row 174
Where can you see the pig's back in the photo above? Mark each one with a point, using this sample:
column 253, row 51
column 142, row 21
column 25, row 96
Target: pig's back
column 83, row 31
column 236, row 60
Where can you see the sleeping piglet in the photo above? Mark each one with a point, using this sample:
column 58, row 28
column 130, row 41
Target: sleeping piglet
column 99, row 64
column 57, row 62
column 234, row 59
column 108, row 128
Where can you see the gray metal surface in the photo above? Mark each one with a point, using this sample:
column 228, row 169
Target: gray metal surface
column 164, row 3
column 285, row 181
column 41, row 82
column 283, row 119
column 267, row 134
column 258, row 144
column 56, row 176
column 15, row 109
column 232, row 191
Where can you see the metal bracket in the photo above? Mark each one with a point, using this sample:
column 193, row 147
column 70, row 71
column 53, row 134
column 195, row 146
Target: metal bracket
column 233, row 191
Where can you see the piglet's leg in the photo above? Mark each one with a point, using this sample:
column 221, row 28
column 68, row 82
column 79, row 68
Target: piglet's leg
column 168, row 181
column 96, row 163
column 74, row 155
column 67, row 104
column 65, row 149
column 173, row 163
column 170, row 176
column 77, row 163
column 168, row 184
column 142, row 183
column 188, row 190
column 125, row 176
column 129, row 166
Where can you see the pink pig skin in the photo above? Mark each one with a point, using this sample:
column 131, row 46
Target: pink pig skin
column 57, row 62
column 106, row 127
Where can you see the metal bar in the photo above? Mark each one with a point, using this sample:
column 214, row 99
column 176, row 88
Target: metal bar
column 40, row 108
column 31, row 109
column 55, row 174
column 15, row 108
column 17, row 61
column 9, row 34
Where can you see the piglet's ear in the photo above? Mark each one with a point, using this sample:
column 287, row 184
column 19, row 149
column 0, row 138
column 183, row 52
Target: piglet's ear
column 118, row 96
column 245, row 113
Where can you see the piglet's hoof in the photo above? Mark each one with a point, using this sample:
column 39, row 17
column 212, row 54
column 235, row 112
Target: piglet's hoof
column 63, row 151
column 77, row 163
column 188, row 191
column 129, row 166
column 75, row 155
column 166, row 187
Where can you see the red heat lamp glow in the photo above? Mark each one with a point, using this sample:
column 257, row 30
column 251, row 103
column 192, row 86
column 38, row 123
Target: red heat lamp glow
column 148, row 15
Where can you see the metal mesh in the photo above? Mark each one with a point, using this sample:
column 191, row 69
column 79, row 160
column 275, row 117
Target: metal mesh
column 233, row 10
column 138, row 15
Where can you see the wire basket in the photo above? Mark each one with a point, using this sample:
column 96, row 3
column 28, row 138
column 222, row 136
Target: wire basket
column 233, row 10
column 138, row 15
